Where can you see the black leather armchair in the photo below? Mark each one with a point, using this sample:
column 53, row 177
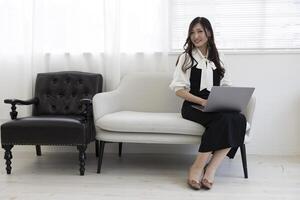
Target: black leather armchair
column 61, row 115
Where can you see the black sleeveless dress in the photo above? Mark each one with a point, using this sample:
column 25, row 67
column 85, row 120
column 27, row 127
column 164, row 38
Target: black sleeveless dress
column 222, row 129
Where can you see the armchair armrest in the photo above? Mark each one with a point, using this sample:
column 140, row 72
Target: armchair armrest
column 106, row 102
column 87, row 112
column 14, row 102
column 88, row 117
column 21, row 102
column 86, row 101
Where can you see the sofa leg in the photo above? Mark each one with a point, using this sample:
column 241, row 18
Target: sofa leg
column 38, row 150
column 97, row 148
column 101, row 151
column 82, row 157
column 244, row 160
column 8, row 156
column 120, row 148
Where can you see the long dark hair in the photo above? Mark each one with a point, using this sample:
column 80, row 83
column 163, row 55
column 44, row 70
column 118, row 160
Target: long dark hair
column 188, row 47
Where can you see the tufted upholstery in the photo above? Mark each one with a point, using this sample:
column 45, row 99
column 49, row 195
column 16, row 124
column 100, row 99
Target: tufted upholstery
column 59, row 93
column 62, row 114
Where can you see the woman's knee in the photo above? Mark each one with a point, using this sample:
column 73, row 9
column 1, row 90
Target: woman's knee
column 229, row 115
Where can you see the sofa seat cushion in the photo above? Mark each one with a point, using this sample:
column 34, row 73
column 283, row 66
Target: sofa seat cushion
column 47, row 130
column 149, row 122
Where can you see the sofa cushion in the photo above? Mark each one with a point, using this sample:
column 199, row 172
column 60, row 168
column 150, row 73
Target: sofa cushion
column 149, row 122
column 47, row 130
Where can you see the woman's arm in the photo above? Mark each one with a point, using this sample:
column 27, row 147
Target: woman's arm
column 181, row 83
column 184, row 93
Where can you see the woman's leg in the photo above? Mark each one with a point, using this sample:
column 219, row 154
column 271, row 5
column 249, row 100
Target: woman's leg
column 197, row 167
column 217, row 158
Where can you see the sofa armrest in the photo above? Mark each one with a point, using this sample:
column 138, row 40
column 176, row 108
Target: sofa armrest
column 105, row 103
column 249, row 116
column 250, row 110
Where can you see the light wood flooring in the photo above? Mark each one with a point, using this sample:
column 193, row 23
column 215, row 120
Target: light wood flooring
column 55, row 175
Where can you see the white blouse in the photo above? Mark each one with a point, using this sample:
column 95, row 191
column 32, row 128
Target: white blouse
column 181, row 80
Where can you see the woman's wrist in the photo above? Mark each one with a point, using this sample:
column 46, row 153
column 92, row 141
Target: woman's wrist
column 201, row 101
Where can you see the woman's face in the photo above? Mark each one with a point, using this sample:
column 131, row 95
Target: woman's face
column 198, row 36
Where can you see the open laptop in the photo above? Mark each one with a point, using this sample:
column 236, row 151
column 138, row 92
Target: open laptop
column 227, row 99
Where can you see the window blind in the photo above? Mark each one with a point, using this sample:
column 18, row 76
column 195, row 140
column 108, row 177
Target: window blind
column 242, row 24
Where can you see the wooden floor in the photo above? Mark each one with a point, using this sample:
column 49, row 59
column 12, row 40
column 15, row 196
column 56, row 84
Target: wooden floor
column 145, row 176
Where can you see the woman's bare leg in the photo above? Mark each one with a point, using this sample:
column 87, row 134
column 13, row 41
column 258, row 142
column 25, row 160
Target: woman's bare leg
column 197, row 167
column 214, row 163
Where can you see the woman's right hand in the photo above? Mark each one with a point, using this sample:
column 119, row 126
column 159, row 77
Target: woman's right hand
column 186, row 95
column 203, row 102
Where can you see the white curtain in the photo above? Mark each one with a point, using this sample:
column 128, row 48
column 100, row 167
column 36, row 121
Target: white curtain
column 111, row 37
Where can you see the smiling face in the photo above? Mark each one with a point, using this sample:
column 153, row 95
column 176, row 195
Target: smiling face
column 198, row 36
column 201, row 35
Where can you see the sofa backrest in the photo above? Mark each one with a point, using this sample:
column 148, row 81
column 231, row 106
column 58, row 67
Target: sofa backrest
column 148, row 92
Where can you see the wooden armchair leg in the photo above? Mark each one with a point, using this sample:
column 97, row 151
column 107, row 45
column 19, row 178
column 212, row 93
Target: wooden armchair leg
column 38, row 150
column 82, row 156
column 8, row 156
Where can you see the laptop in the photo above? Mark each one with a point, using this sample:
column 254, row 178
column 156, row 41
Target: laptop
column 227, row 99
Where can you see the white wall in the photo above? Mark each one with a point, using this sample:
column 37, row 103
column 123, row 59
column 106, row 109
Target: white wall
column 276, row 124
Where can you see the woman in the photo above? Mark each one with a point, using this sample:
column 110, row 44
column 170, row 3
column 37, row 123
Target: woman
column 197, row 70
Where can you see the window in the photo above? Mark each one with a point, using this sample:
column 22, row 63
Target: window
column 243, row 24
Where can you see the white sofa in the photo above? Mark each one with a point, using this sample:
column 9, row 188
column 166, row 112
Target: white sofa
column 143, row 109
